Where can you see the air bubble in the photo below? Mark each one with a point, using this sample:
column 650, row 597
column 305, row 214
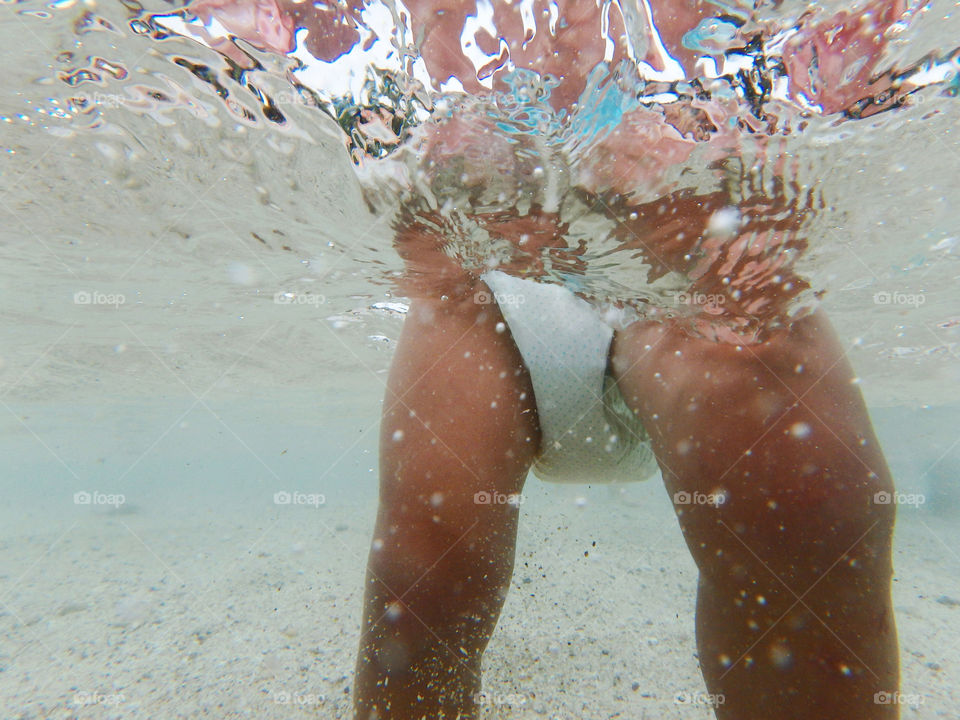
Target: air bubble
column 781, row 656
column 724, row 223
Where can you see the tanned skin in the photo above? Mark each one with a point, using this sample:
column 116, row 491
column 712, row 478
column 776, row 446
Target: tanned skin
column 794, row 616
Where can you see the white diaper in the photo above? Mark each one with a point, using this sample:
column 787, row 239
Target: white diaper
column 588, row 434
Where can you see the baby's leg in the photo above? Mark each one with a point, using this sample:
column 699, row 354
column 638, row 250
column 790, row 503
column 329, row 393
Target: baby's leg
column 794, row 616
column 458, row 420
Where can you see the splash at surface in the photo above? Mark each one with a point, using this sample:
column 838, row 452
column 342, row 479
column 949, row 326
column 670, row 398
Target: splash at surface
column 644, row 154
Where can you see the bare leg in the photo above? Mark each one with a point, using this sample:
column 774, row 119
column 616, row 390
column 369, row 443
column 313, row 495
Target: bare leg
column 458, row 419
column 794, row 617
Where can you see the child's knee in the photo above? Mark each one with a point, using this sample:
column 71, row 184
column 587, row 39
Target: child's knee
column 792, row 532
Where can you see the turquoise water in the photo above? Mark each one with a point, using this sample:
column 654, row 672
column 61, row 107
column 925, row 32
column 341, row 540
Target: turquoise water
column 200, row 310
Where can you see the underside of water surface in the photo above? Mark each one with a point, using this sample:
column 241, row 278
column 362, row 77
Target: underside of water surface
column 730, row 164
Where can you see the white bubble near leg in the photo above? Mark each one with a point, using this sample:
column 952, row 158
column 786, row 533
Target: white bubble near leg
column 781, row 656
column 800, row 430
column 397, row 435
column 724, row 222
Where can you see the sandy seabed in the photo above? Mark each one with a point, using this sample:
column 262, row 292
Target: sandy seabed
column 166, row 611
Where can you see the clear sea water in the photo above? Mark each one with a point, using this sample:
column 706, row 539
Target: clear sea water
column 199, row 312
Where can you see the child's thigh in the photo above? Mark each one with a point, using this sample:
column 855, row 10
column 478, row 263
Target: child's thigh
column 459, row 413
column 767, row 450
